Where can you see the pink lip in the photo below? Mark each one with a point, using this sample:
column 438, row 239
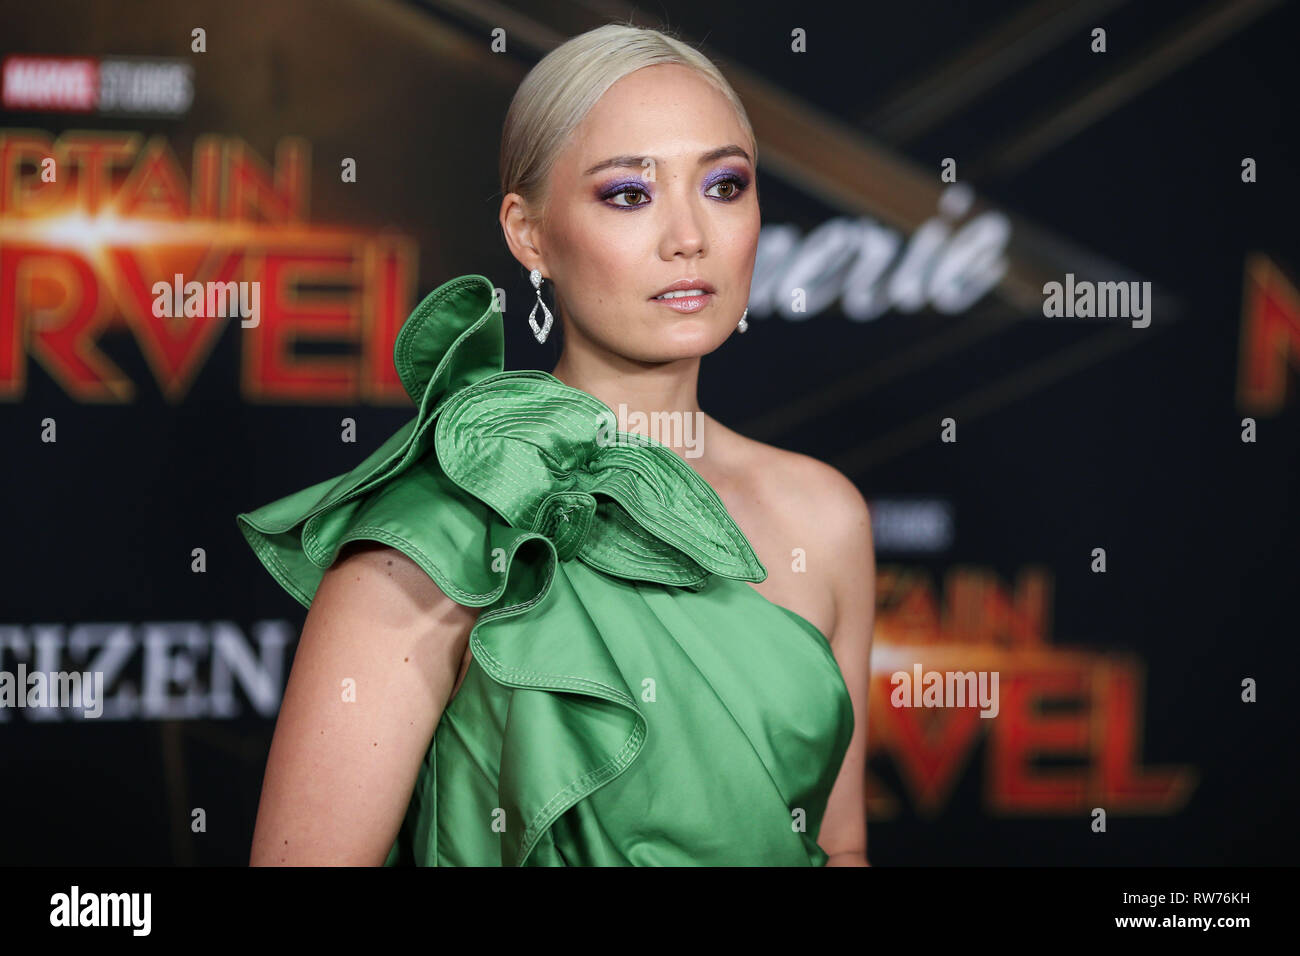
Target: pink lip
column 686, row 303
column 681, row 285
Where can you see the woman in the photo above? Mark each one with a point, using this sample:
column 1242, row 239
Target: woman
column 538, row 636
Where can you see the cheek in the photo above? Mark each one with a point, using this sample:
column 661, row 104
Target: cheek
column 736, row 245
column 604, row 256
column 595, row 265
column 746, row 232
column 590, row 243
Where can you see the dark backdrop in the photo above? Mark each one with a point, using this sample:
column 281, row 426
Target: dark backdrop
column 1120, row 690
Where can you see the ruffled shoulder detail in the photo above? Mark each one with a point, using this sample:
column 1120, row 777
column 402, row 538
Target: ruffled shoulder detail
column 499, row 476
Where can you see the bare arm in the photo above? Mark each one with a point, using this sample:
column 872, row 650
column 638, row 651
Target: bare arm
column 340, row 773
column 844, row 827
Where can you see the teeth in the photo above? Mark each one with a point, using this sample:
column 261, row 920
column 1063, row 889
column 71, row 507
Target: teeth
column 680, row 294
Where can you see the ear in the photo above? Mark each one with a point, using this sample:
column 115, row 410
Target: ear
column 521, row 232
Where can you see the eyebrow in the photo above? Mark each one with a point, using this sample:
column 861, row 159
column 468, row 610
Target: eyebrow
column 637, row 162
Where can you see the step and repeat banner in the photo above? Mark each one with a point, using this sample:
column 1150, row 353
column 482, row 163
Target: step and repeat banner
column 1062, row 372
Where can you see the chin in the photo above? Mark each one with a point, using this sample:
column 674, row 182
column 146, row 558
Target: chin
column 699, row 331
column 683, row 344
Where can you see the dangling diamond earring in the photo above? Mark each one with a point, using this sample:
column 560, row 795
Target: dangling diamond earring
column 743, row 325
column 541, row 332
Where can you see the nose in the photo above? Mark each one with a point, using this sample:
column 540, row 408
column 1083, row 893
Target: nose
column 685, row 232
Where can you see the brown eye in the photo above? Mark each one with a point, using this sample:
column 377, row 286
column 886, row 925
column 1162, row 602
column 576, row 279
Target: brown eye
column 730, row 189
column 614, row 198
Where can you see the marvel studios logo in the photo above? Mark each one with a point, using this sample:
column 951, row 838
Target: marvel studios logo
column 116, row 86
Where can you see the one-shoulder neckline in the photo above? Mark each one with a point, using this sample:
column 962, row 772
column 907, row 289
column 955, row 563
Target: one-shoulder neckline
column 794, row 614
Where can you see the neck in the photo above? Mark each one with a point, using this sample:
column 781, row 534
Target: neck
column 655, row 400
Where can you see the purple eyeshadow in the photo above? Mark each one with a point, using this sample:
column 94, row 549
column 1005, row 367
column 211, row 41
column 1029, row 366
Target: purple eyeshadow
column 623, row 185
column 727, row 173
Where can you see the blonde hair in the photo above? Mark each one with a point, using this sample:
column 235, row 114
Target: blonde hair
column 565, row 84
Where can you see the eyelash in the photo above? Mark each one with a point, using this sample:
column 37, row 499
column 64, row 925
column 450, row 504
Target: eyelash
column 739, row 181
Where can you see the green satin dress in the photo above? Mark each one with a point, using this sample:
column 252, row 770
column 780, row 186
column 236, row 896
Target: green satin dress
column 631, row 699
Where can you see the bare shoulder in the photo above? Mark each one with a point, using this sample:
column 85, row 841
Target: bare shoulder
column 383, row 583
column 820, row 496
column 816, row 504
